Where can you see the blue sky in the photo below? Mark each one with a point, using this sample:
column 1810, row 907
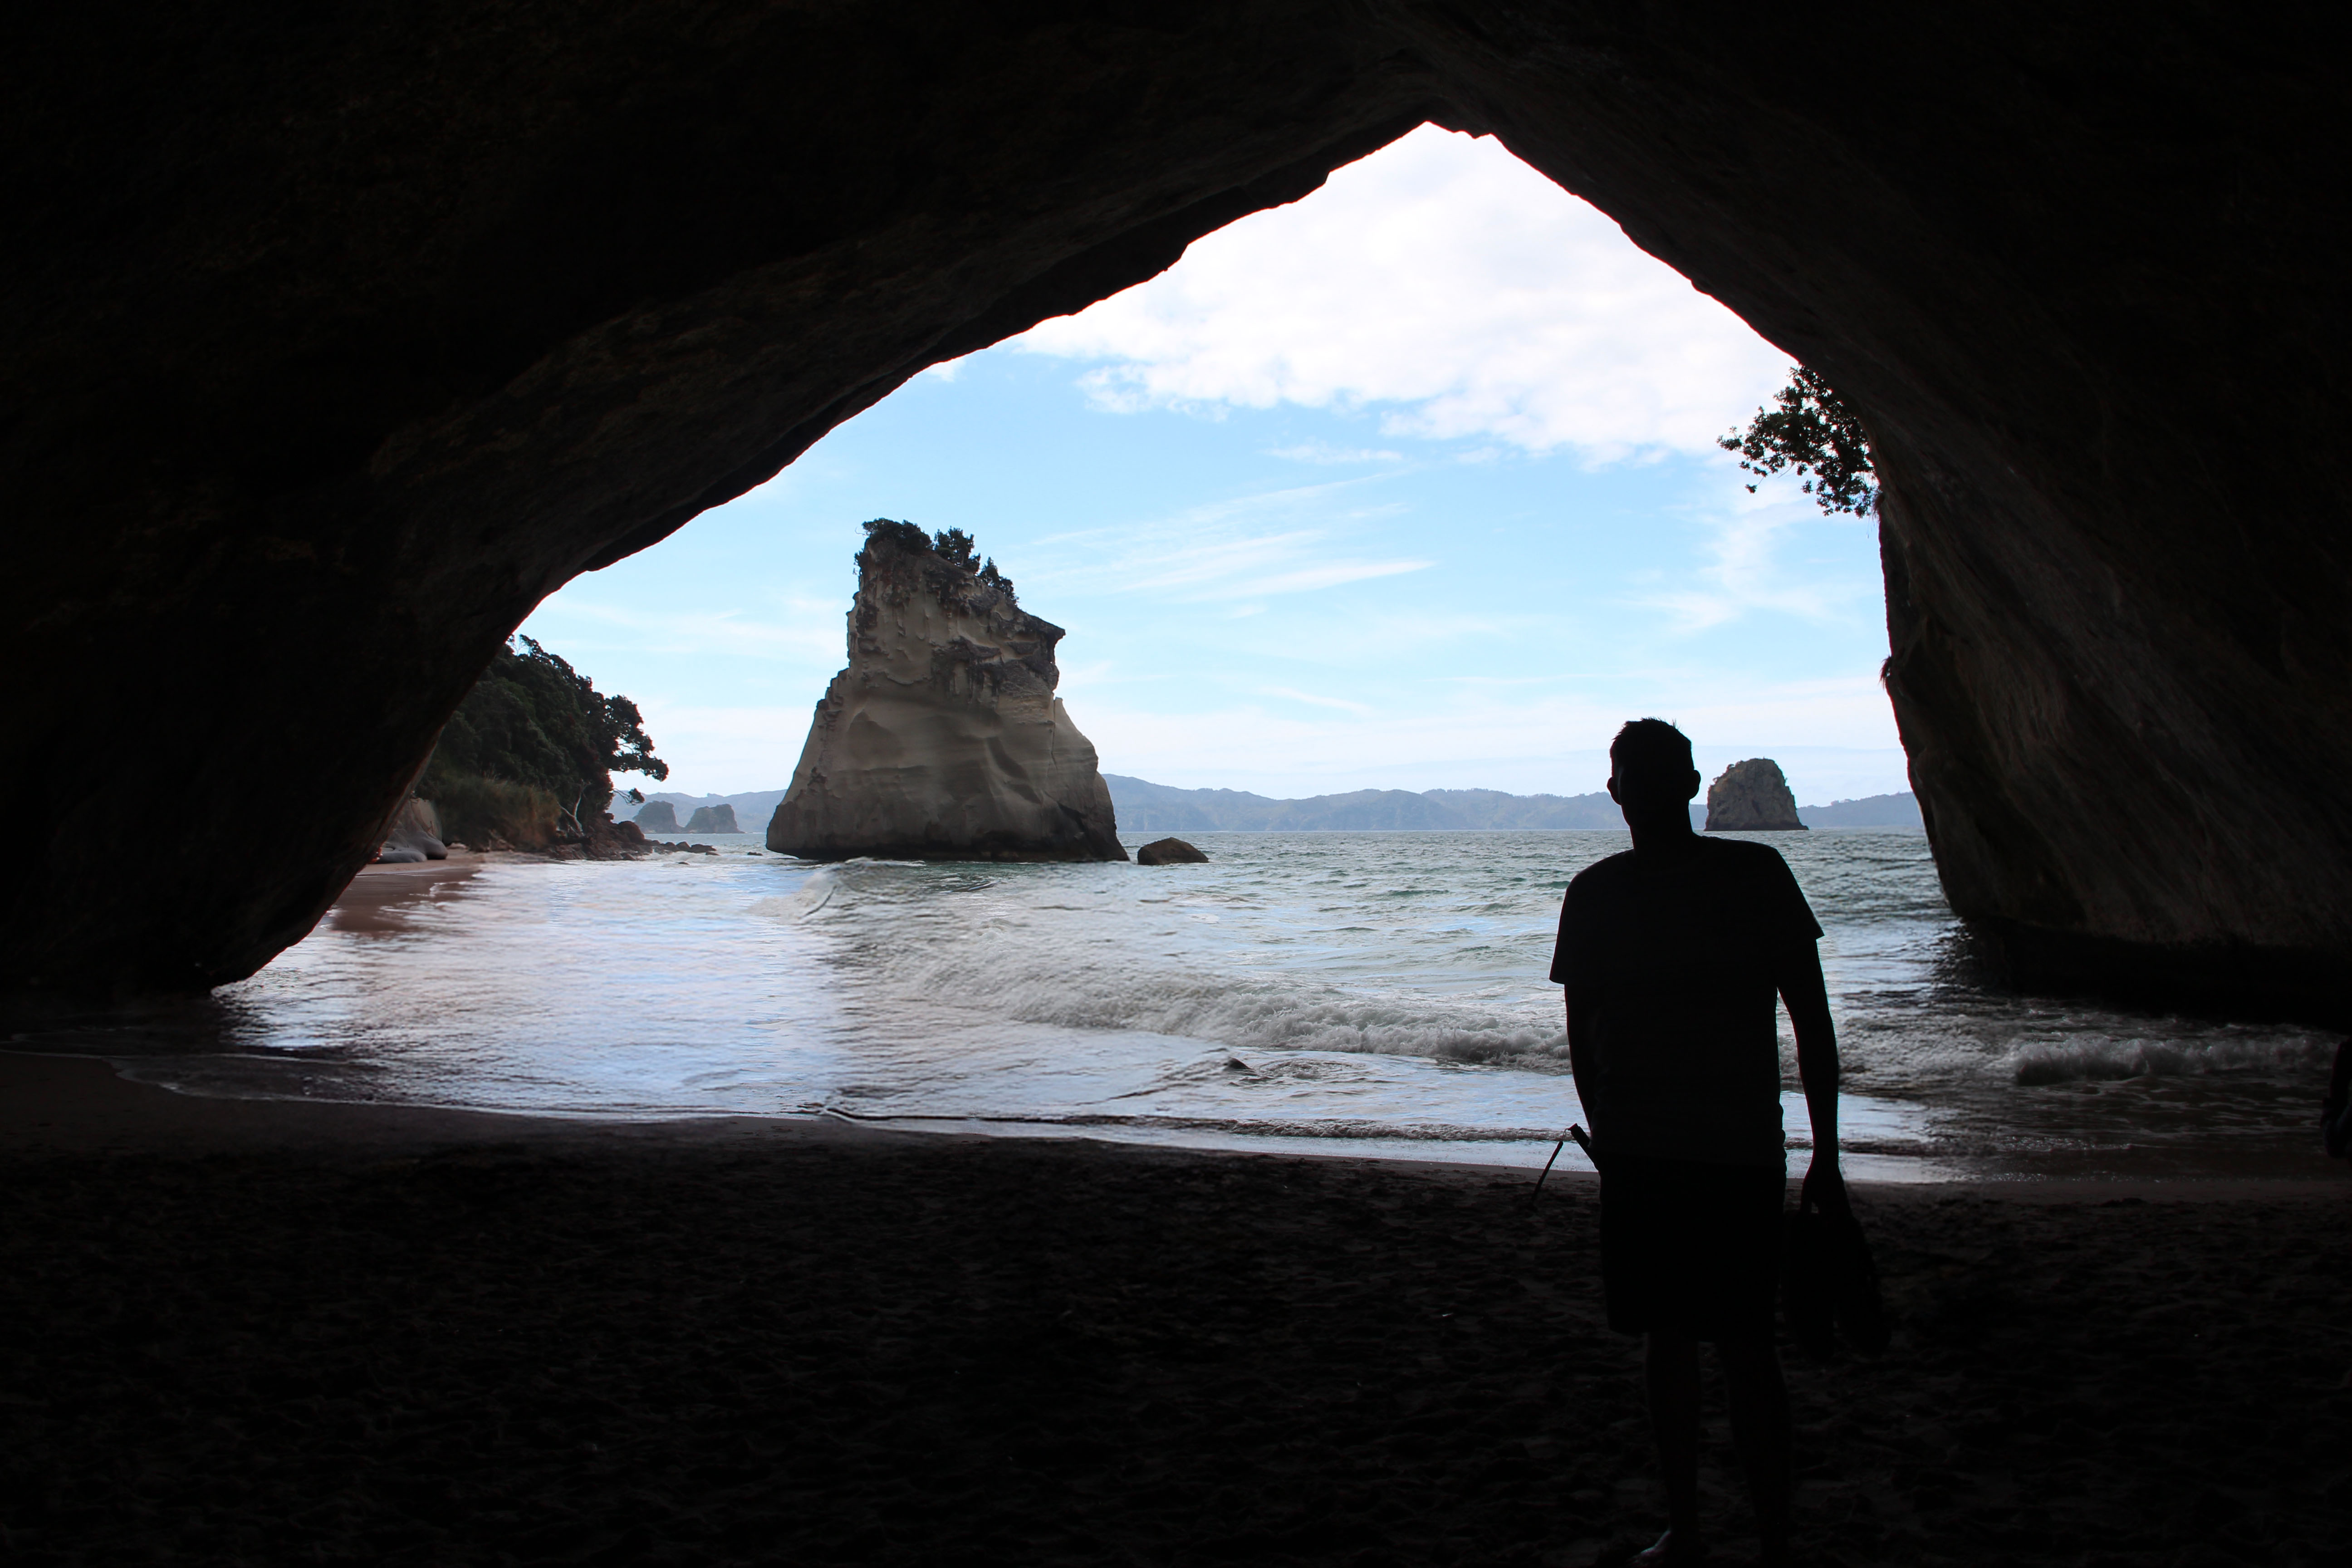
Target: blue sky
column 1409, row 485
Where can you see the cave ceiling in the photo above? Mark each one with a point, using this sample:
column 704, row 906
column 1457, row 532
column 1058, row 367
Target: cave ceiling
column 337, row 338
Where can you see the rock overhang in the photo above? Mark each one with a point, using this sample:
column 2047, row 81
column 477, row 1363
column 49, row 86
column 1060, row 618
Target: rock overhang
column 361, row 335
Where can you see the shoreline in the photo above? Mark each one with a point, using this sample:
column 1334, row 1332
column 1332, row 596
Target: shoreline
column 373, row 901
column 79, row 1104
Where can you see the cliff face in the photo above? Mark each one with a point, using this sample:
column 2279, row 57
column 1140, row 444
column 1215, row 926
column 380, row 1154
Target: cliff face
column 943, row 739
column 1752, row 797
column 362, row 330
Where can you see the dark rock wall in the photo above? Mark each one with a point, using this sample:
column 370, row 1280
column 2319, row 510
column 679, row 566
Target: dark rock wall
column 333, row 339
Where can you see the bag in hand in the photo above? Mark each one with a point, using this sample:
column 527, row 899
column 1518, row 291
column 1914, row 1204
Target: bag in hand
column 1829, row 1284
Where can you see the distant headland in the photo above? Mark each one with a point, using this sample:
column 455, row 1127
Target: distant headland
column 1147, row 807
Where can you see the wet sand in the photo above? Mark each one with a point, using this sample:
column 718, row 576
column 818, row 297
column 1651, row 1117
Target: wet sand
column 256, row 1331
column 380, row 898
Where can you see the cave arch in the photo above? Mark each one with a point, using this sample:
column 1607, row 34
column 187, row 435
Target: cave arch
column 336, row 343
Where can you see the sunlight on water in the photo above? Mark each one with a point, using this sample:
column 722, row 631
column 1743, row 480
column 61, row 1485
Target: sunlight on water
column 1357, row 993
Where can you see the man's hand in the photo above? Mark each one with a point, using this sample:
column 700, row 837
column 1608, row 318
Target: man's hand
column 1825, row 1186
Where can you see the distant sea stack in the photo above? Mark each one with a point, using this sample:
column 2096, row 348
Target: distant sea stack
column 658, row 816
column 1752, row 797
column 713, row 819
column 943, row 739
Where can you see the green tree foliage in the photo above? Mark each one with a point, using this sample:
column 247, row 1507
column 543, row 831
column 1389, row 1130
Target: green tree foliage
column 530, row 753
column 956, row 545
column 952, row 544
column 1814, row 433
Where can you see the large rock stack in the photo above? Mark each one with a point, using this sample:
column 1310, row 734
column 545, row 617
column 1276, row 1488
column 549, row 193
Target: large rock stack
column 943, row 739
column 1752, row 797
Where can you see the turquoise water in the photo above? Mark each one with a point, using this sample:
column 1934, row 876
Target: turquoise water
column 1342, row 992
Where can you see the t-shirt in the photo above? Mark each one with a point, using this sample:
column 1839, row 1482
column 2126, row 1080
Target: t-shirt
column 1675, row 958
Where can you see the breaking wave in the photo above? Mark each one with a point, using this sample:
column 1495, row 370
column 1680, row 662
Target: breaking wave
column 2094, row 1058
column 1244, row 1013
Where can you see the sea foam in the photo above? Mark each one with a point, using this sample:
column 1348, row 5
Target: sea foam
column 2094, row 1057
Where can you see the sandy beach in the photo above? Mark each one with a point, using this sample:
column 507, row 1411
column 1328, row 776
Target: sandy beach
column 249, row 1331
column 380, row 898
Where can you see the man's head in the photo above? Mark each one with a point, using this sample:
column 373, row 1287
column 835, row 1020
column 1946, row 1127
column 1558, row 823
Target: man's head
column 1650, row 775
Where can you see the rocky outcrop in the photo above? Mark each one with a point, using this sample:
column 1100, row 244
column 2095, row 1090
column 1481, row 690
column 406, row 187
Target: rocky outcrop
column 414, row 835
column 366, row 334
column 606, row 839
column 657, row 816
column 1752, row 797
column 1170, row 852
column 943, row 739
column 713, row 819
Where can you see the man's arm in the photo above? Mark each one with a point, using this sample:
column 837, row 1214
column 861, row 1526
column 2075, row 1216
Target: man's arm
column 1807, row 995
column 2335, row 1125
column 1580, row 1052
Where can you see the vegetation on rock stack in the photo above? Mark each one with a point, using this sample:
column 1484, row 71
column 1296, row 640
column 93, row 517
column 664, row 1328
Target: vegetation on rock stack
column 529, row 756
column 954, row 545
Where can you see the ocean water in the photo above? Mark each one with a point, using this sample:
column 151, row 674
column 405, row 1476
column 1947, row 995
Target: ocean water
column 1378, row 993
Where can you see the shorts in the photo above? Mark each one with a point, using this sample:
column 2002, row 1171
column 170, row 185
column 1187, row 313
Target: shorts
column 1691, row 1246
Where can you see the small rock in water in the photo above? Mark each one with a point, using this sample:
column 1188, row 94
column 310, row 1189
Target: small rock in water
column 1170, row 852
column 1235, row 1064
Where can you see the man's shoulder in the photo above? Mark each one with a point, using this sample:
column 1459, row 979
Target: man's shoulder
column 1603, row 873
column 1743, row 856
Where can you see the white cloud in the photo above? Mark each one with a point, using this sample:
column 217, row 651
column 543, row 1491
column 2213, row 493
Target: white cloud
column 1237, row 547
column 1323, row 452
column 1442, row 275
column 1745, row 565
column 1312, row 700
column 1307, row 579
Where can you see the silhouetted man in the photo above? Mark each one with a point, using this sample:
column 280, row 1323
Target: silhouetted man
column 1673, row 955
